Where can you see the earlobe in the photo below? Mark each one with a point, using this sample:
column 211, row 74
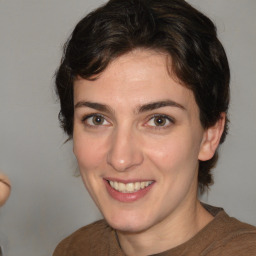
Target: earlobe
column 211, row 139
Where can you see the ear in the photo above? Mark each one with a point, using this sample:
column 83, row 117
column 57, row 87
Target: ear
column 211, row 139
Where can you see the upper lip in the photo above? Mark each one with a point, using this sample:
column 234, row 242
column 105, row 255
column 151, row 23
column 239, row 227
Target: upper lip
column 126, row 181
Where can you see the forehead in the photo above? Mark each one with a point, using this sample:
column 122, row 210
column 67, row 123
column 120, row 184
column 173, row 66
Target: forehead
column 136, row 78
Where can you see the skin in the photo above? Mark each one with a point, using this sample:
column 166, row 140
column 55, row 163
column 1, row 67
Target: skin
column 129, row 145
column 5, row 188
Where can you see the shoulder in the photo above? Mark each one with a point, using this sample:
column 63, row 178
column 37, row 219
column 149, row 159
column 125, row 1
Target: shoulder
column 233, row 238
column 88, row 240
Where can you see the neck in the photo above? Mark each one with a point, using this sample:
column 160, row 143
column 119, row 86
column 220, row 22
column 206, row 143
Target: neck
column 169, row 233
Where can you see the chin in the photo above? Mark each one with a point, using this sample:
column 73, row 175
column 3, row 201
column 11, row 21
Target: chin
column 130, row 223
column 129, row 227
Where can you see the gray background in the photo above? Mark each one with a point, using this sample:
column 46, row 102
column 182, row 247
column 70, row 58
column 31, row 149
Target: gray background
column 48, row 202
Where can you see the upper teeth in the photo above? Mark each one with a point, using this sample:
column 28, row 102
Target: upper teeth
column 129, row 187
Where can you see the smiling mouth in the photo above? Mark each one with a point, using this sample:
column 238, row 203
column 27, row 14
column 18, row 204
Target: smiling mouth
column 129, row 187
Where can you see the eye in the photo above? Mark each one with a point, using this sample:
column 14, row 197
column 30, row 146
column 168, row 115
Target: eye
column 95, row 120
column 160, row 121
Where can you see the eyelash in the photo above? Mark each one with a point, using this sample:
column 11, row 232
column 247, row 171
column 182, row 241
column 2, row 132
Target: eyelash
column 165, row 117
column 85, row 120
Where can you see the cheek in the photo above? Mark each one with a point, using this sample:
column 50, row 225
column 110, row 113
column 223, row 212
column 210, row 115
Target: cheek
column 89, row 152
column 174, row 154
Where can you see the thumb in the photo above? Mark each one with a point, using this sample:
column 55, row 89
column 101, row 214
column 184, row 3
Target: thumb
column 5, row 188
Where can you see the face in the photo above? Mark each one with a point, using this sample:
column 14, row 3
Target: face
column 137, row 139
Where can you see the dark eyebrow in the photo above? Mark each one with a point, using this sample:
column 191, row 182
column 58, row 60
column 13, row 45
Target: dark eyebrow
column 143, row 108
column 94, row 105
column 159, row 104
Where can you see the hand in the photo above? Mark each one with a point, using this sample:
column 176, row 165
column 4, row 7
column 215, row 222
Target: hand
column 5, row 188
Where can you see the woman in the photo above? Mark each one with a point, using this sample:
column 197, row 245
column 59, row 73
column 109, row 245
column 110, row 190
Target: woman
column 144, row 93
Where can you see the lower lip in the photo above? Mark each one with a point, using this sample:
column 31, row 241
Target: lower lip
column 127, row 197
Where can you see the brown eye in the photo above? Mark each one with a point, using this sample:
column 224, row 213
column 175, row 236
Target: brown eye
column 97, row 120
column 159, row 121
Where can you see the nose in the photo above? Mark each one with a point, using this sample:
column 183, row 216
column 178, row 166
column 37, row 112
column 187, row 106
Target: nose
column 125, row 151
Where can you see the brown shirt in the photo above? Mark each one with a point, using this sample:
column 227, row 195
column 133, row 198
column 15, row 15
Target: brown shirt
column 223, row 236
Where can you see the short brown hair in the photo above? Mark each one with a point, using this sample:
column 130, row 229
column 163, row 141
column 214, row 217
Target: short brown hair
column 171, row 26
